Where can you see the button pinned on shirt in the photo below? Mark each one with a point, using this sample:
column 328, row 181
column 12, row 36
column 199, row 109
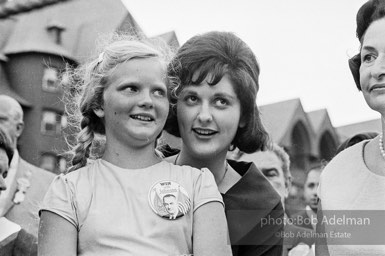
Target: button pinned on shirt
column 169, row 200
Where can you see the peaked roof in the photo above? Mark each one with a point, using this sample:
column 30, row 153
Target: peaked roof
column 19, row 6
column 324, row 131
column 350, row 130
column 277, row 121
column 39, row 42
column 6, row 28
column 83, row 21
column 171, row 39
column 317, row 117
column 129, row 24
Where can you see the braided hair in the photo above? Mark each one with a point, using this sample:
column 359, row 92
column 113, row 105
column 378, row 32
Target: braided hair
column 85, row 87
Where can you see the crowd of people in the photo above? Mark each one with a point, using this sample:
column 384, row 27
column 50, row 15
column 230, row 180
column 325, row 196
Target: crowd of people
column 123, row 194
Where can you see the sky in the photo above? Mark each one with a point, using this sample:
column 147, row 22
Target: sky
column 302, row 46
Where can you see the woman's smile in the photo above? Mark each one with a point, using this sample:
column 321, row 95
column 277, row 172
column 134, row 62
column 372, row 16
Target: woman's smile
column 204, row 132
column 378, row 87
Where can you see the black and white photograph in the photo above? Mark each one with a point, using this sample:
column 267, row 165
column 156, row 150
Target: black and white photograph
column 199, row 128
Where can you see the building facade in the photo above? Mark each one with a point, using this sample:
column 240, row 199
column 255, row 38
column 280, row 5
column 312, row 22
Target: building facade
column 35, row 48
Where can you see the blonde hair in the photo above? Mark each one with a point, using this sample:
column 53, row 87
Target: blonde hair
column 85, row 86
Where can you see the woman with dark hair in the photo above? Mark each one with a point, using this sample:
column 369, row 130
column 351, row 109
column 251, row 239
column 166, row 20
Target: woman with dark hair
column 214, row 110
column 354, row 181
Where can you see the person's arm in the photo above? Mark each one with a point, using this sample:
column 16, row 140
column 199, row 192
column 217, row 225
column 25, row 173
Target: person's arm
column 210, row 233
column 57, row 236
column 321, row 247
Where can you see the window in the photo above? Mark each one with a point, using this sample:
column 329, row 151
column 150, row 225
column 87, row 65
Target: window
column 62, row 164
column 52, row 122
column 55, row 29
column 63, row 121
column 50, row 80
column 48, row 162
column 51, row 162
column 65, row 78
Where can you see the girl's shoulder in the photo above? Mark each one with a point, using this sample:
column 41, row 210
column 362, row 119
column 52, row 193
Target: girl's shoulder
column 70, row 194
column 191, row 175
column 82, row 176
column 186, row 168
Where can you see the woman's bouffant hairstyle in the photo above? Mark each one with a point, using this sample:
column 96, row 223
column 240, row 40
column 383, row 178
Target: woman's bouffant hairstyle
column 371, row 11
column 85, row 87
column 218, row 54
column 6, row 145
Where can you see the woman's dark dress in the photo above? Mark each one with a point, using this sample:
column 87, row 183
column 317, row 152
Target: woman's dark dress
column 254, row 213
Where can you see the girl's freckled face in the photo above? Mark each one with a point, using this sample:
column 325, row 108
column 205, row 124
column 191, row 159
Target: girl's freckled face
column 135, row 103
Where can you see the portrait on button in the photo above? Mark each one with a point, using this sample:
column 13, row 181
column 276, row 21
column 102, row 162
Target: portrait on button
column 169, row 200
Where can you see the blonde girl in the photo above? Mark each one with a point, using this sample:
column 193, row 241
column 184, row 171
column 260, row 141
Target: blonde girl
column 119, row 204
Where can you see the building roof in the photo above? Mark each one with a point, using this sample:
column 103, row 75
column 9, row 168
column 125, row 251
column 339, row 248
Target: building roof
column 317, row 117
column 19, row 6
column 129, row 24
column 326, row 138
column 35, row 43
column 82, row 21
column 6, row 28
column 350, row 130
column 277, row 121
column 170, row 38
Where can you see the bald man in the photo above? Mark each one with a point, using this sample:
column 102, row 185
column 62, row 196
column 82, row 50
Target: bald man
column 26, row 184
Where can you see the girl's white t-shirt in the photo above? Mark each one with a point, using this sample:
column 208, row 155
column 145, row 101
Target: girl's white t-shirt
column 113, row 210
